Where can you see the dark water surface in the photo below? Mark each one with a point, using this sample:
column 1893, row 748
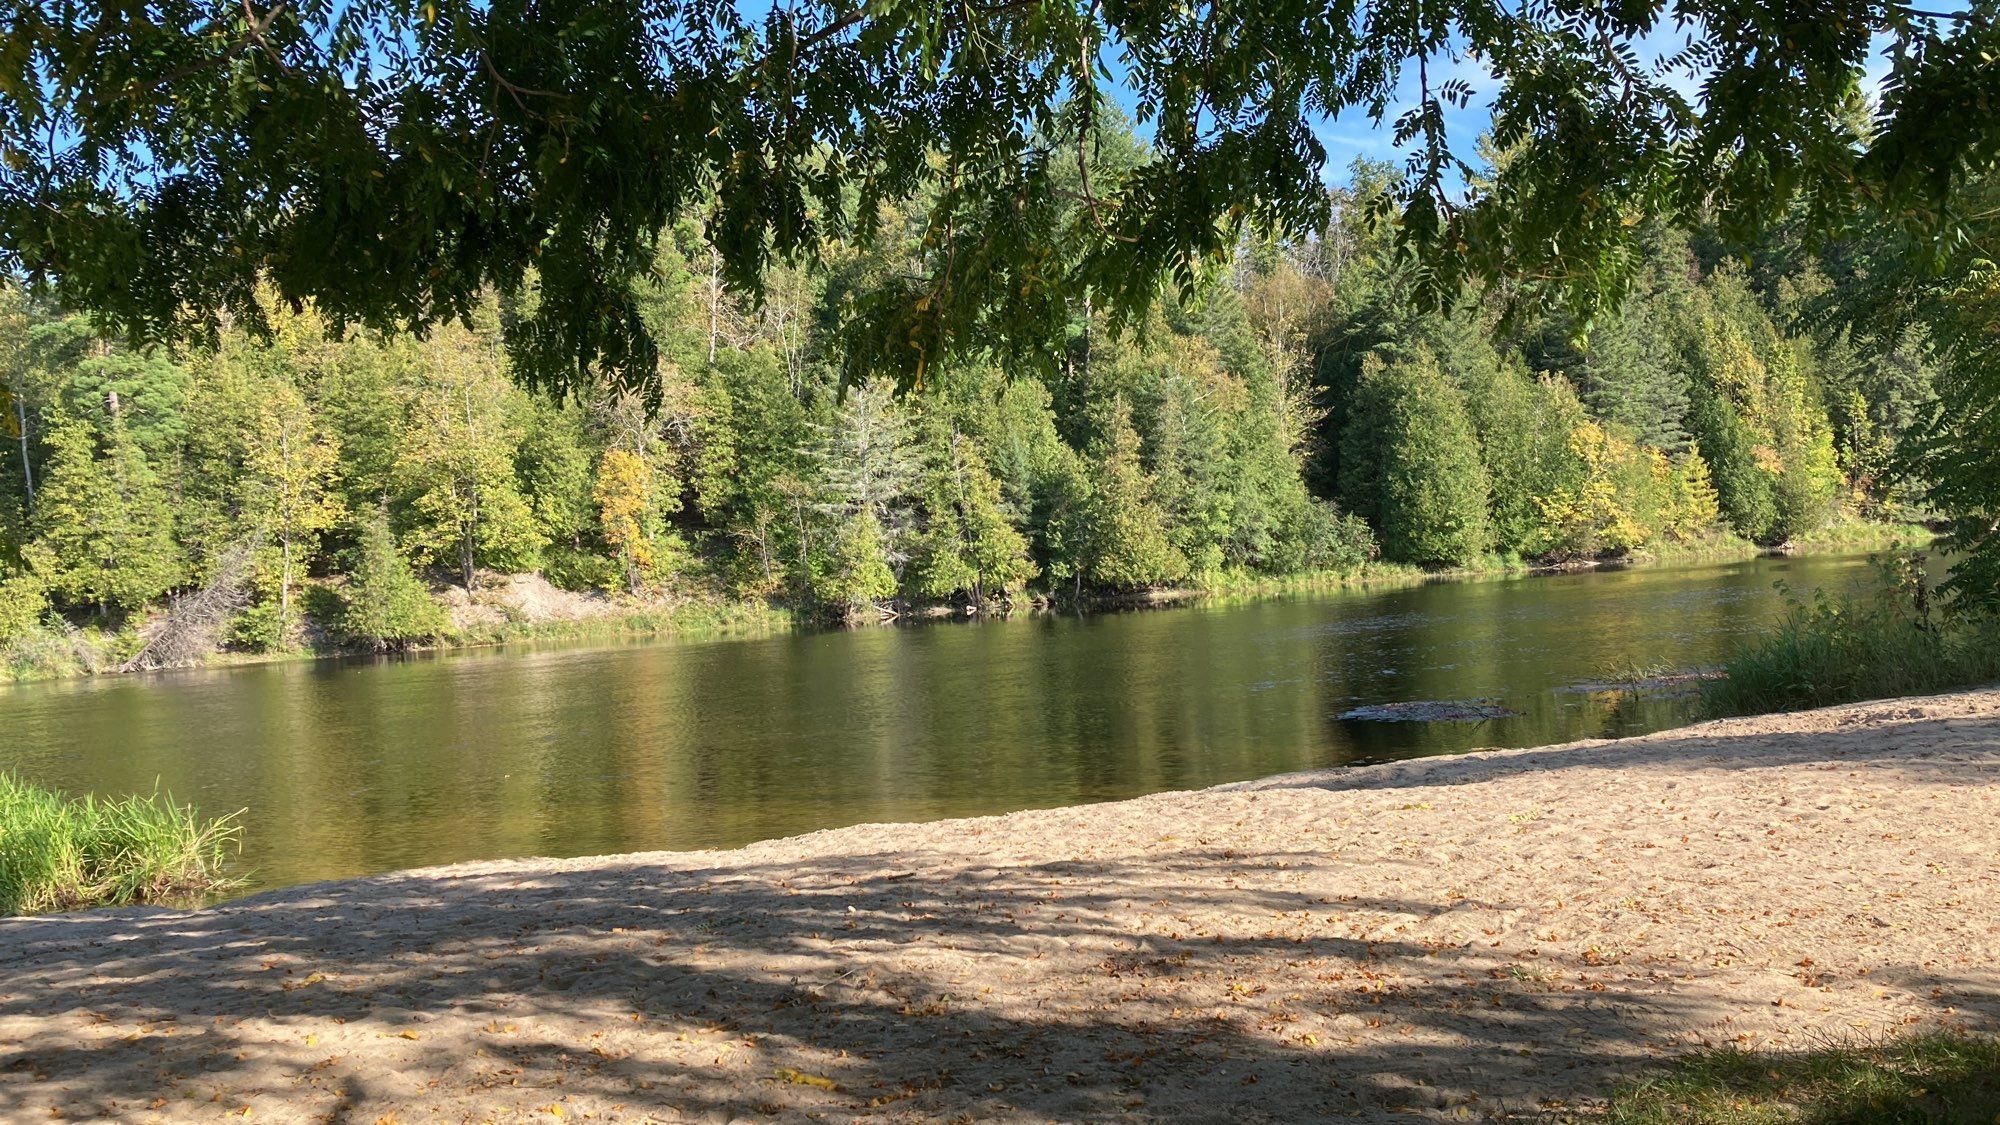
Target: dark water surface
column 352, row 767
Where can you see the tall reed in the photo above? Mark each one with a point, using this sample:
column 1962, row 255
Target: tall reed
column 65, row 853
column 1831, row 649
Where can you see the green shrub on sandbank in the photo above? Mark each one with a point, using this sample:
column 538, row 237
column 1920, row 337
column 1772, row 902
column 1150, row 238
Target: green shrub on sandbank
column 63, row 853
column 1831, row 649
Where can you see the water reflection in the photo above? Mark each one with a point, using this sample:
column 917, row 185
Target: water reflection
column 353, row 767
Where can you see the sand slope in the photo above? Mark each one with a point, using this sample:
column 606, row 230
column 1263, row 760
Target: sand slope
column 1508, row 930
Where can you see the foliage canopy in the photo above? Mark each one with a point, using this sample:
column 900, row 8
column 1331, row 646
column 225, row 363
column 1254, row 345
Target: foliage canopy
column 392, row 161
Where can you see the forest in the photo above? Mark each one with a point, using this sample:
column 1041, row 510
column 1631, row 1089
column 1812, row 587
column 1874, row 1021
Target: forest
column 1300, row 414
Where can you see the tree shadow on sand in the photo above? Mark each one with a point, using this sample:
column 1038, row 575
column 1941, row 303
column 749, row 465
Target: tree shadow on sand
column 913, row 983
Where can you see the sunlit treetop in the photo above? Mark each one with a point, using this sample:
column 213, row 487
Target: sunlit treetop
column 392, row 161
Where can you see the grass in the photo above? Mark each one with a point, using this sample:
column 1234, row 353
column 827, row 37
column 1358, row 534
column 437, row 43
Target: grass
column 1841, row 649
column 1862, row 535
column 1941, row 1077
column 62, row 853
column 693, row 619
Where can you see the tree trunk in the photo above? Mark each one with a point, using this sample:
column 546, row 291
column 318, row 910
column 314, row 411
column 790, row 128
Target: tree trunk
column 468, row 544
column 285, row 539
column 27, row 467
column 714, row 301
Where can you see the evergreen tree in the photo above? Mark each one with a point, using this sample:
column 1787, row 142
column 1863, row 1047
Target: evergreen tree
column 1196, row 481
column 1126, row 544
column 1741, row 465
column 855, row 575
column 967, row 542
column 1635, row 382
column 384, row 605
column 23, row 603
column 1692, row 506
column 1423, row 477
column 866, row 460
column 1524, row 427
column 105, row 519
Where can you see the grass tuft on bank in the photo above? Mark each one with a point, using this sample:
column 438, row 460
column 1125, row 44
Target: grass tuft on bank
column 73, row 853
column 1937, row 1078
column 1831, row 649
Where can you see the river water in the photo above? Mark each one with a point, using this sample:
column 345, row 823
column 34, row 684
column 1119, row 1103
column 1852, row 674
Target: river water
column 350, row 767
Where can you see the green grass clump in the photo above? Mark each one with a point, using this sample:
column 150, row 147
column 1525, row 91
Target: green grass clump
column 62, row 853
column 1941, row 1078
column 1839, row 649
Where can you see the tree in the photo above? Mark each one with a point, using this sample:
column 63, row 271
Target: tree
column 1692, row 506
column 1415, row 463
column 455, row 468
column 384, row 605
column 966, row 541
column 1126, row 544
column 23, row 602
column 624, row 496
column 293, row 474
column 855, row 575
column 400, row 159
column 104, row 519
column 865, row 456
column 1599, row 513
column 1524, row 426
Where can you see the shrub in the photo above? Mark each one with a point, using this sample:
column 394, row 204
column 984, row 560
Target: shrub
column 580, row 571
column 1831, row 649
column 23, row 601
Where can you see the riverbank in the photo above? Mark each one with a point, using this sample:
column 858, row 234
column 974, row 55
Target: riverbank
column 1510, row 930
column 517, row 608
column 506, row 609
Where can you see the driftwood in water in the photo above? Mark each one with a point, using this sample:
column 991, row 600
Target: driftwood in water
column 192, row 626
column 1432, row 711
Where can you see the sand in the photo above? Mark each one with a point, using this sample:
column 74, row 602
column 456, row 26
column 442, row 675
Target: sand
column 1512, row 931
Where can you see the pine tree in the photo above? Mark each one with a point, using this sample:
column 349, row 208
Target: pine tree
column 1198, row 481
column 855, row 575
column 1808, row 477
column 1742, row 465
column 1692, row 506
column 1127, row 543
column 384, row 605
column 1634, row 381
column 966, row 542
column 105, row 519
column 1424, row 480
column 866, row 459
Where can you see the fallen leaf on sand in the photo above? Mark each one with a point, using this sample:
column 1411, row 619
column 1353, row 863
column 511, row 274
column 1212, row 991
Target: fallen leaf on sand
column 801, row 1078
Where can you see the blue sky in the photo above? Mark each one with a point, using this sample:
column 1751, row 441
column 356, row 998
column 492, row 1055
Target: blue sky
column 1358, row 136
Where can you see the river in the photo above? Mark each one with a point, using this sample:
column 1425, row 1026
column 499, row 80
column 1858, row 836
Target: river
column 350, row 767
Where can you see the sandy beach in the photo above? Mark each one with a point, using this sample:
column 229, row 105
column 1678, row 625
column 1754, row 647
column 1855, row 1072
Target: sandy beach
column 1467, row 937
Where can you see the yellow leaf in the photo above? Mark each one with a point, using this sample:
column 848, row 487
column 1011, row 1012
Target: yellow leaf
column 801, row 1078
column 406, row 1035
